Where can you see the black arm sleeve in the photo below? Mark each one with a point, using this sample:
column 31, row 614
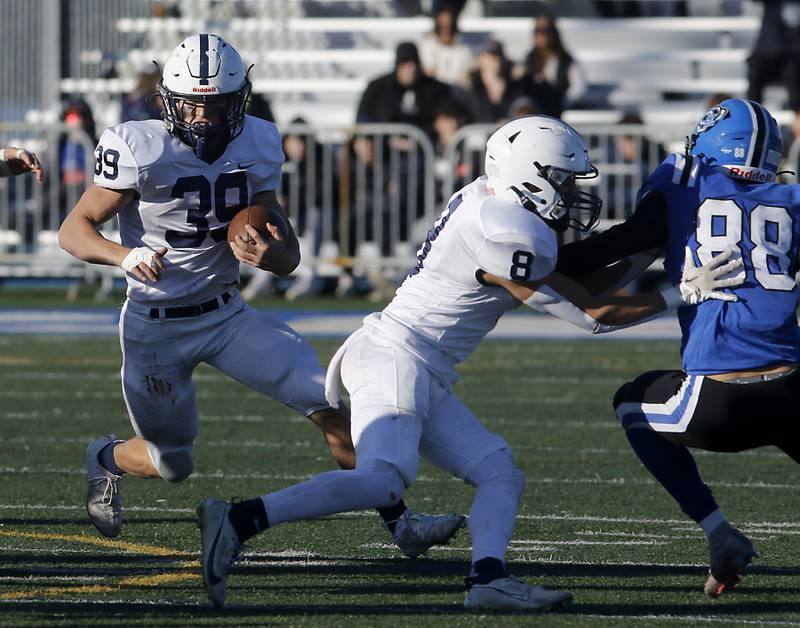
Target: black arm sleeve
column 645, row 229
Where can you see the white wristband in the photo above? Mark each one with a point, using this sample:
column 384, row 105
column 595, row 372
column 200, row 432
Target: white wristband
column 672, row 297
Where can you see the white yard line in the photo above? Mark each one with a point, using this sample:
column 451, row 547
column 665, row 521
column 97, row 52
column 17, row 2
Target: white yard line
column 223, row 475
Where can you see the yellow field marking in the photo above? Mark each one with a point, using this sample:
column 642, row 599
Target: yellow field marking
column 138, row 548
column 153, row 580
column 158, row 579
column 55, row 591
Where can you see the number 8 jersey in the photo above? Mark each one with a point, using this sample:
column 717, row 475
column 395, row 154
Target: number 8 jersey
column 185, row 204
column 710, row 212
column 443, row 309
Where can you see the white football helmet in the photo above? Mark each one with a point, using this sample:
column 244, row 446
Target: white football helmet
column 535, row 160
column 205, row 69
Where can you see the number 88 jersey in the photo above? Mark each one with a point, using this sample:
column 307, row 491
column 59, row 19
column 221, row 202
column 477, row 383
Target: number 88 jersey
column 710, row 211
column 185, row 204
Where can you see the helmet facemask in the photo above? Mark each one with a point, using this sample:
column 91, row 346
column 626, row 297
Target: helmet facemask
column 572, row 207
column 208, row 141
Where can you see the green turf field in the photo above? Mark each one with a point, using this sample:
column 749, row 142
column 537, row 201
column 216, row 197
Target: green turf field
column 592, row 521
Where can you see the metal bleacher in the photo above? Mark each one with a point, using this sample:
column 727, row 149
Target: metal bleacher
column 318, row 67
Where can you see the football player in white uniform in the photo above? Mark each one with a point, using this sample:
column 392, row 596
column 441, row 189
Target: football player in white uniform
column 399, row 368
column 175, row 185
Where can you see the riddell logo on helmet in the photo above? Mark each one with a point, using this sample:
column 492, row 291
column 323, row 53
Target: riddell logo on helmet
column 203, row 90
column 754, row 175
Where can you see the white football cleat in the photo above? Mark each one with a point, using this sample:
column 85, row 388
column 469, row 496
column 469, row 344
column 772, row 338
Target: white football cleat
column 415, row 534
column 730, row 555
column 511, row 594
column 103, row 500
column 220, row 547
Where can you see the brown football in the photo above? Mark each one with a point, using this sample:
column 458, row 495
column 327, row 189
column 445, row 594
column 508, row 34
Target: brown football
column 255, row 215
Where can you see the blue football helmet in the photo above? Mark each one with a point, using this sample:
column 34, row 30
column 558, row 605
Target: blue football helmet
column 742, row 137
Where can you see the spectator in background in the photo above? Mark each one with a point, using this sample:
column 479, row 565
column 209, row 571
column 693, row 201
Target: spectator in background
column 258, row 106
column 523, row 106
column 403, row 95
column 492, row 88
column 450, row 117
column 552, row 77
column 143, row 103
column 443, row 55
column 19, row 161
column 633, row 156
column 301, row 172
column 72, row 153
column 776, row 54
column 717, row 98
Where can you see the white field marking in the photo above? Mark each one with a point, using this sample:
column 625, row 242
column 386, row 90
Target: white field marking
column 73, row 393
column 689, row 619
column 611, row 423
column 754, row 531
column 227, row 418
column 106, row 602
column 423, row 478
column 437, row 548
column 681, row 619
column 689, row 527
column 262, row 444
column 284, row 559
column 582, row 542
column 38, row 375
column 644, row 535
column 49, row 578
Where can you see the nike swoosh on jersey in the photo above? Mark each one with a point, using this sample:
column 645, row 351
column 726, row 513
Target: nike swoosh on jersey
column 243, row 166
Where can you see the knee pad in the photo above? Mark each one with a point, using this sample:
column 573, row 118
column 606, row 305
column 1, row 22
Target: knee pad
column 174, row 464
column 383, row 481
column 498, row 469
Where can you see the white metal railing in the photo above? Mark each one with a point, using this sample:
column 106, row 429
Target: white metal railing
column 363, row 196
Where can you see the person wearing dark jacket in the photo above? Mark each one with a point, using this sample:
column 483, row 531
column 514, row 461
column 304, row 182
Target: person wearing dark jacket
column 776, row 53
column 403, row 95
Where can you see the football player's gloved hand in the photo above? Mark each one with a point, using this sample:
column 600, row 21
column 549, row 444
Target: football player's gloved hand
column 700, row 283
column 144, row 263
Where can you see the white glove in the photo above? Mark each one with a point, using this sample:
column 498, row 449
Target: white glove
column 137, row 256
column 701, row 283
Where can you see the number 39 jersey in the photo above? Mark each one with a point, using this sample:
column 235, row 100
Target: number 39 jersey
column 710, row 212
column 443, row 310
column 184, row 204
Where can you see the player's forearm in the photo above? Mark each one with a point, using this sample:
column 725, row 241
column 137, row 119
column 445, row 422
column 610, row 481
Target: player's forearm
column 80, row 237
column 618, row 275
column 614, row 312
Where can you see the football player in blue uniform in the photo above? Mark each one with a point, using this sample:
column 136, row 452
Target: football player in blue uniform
column 739, row 387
